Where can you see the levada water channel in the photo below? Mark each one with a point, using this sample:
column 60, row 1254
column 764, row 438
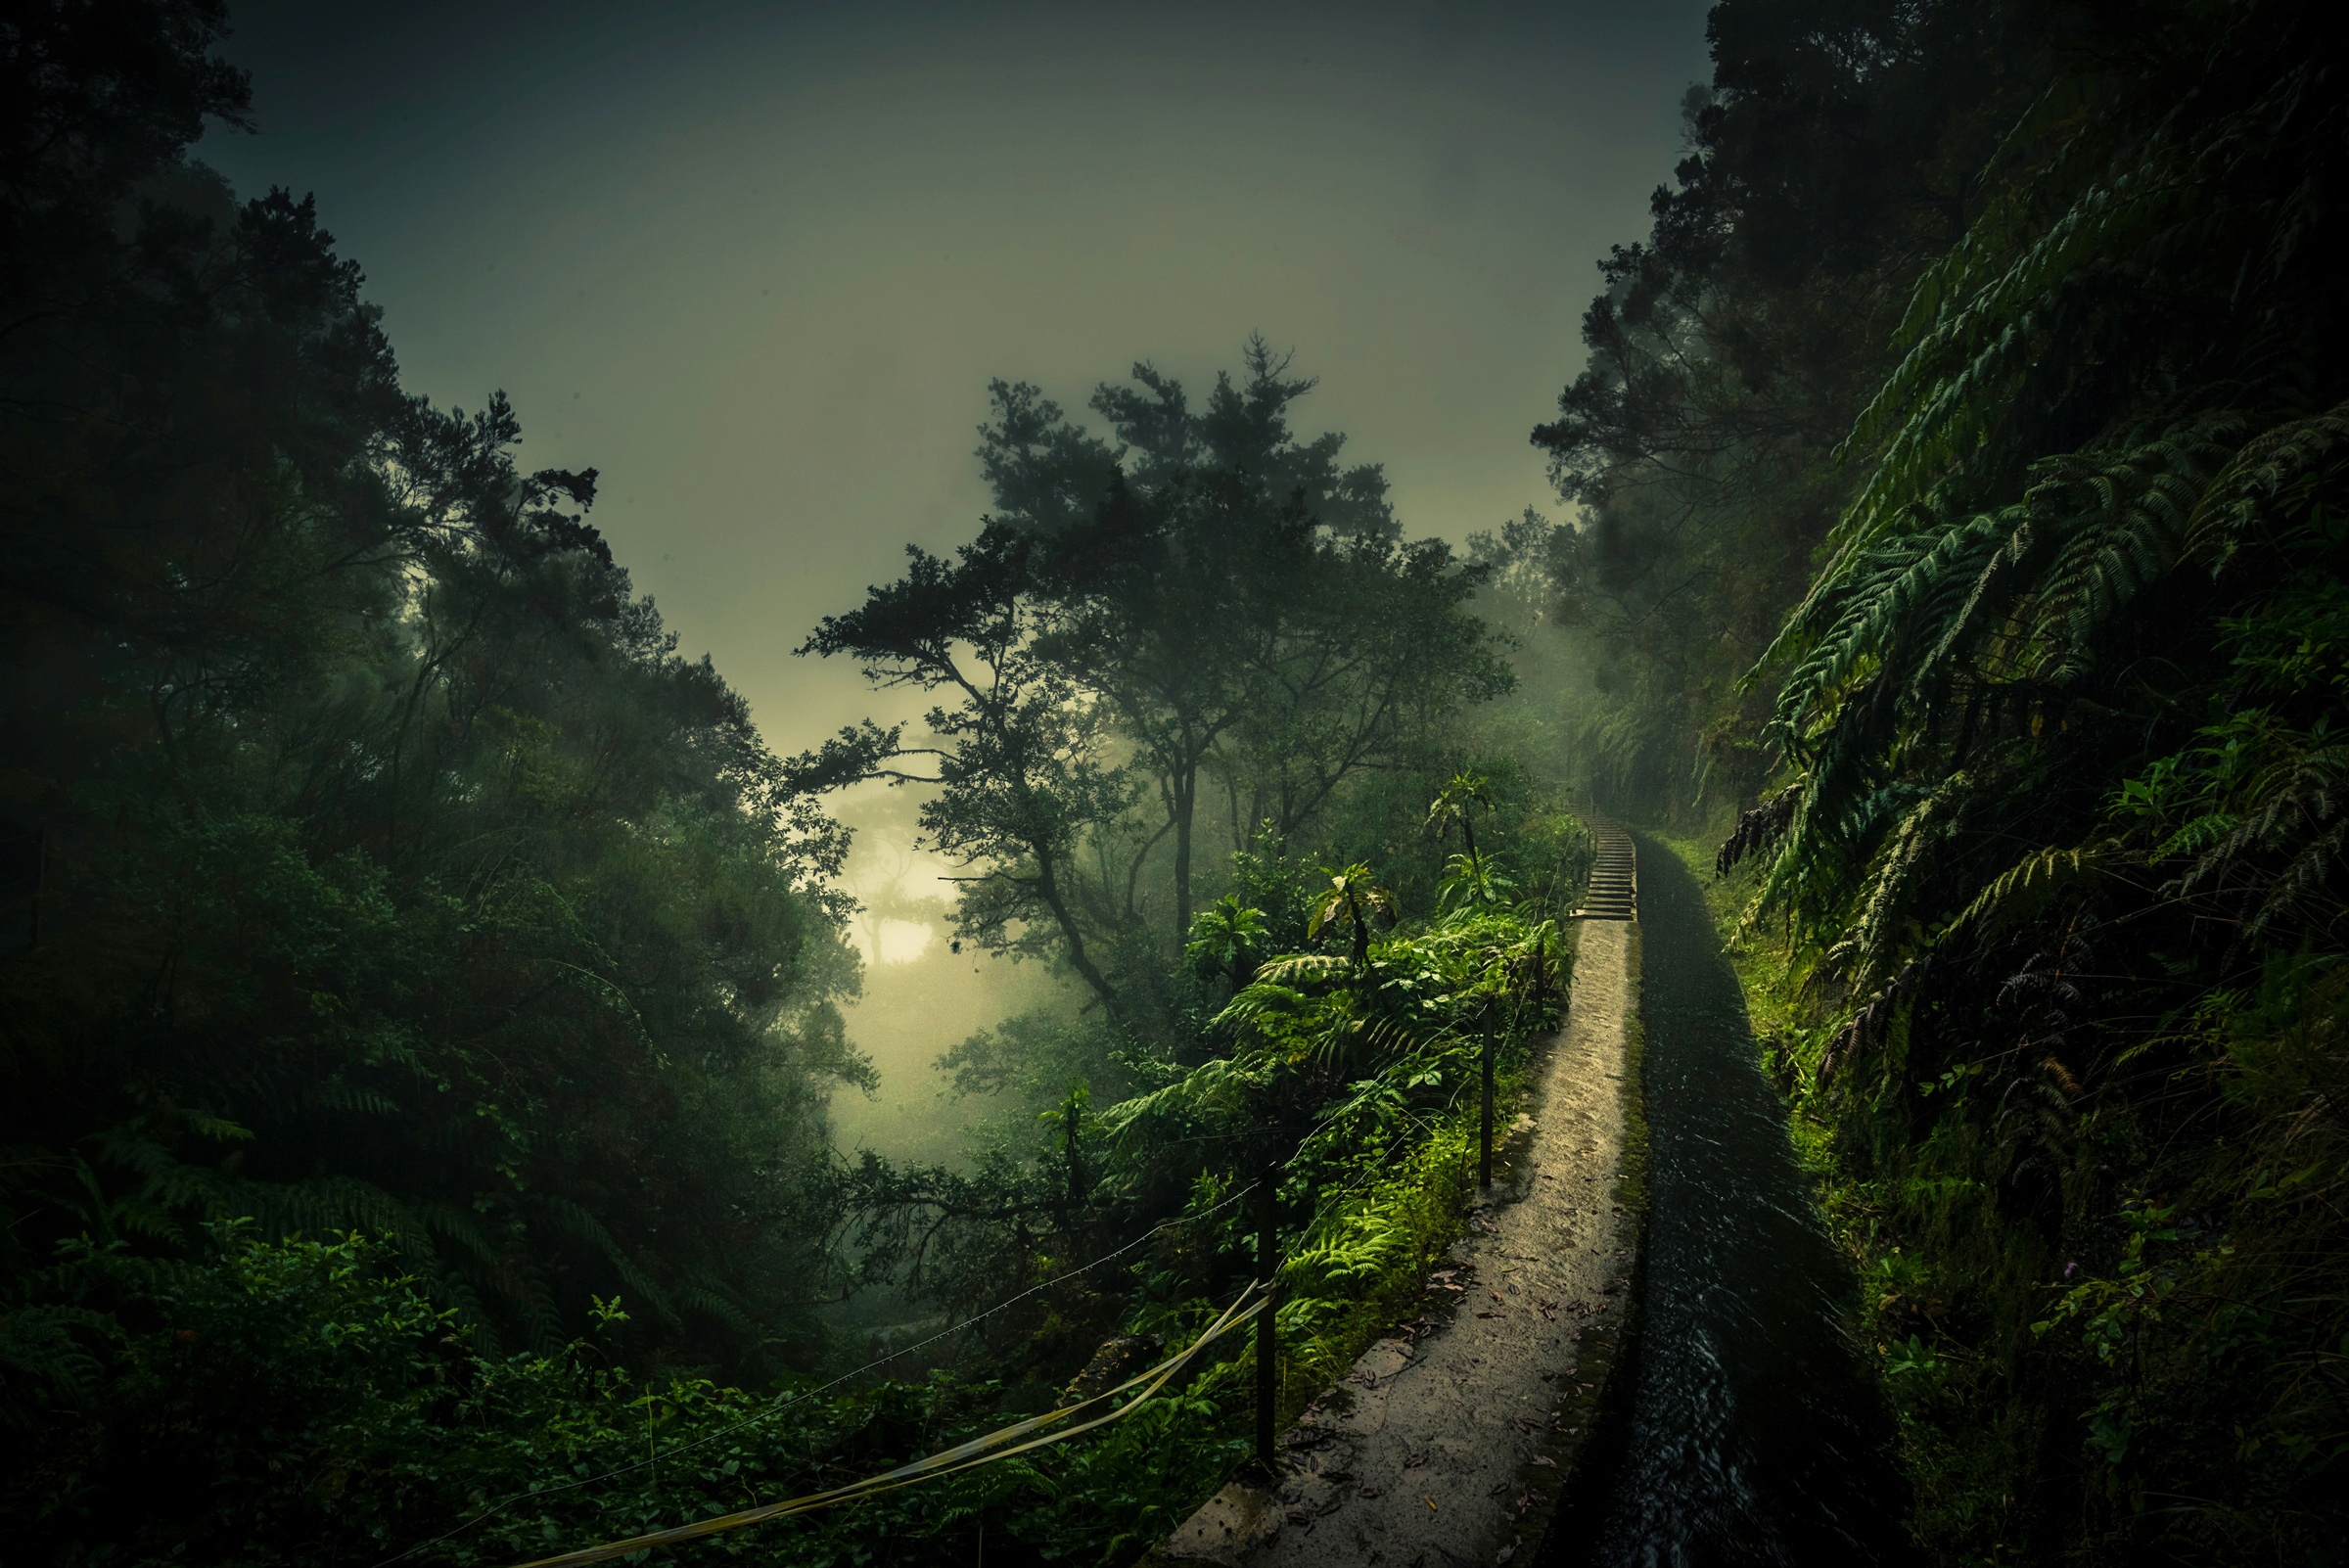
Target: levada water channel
column 1749, row 1434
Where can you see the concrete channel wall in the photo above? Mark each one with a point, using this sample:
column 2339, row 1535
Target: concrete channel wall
column 1454, row 1442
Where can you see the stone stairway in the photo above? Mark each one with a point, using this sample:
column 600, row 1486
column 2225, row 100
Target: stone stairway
column 1614, row 881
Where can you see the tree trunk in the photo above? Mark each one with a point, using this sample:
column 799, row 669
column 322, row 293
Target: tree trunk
column 1049, row 886
column 1069, row 1141
column 1185, row 790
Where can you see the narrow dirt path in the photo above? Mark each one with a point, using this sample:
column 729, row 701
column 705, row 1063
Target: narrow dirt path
column 1446, row 1448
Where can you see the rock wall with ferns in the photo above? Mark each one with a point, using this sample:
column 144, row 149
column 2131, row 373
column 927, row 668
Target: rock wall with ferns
column 2054, row 867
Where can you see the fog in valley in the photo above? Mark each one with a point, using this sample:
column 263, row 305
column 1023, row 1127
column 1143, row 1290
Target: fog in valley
column 924, row 994
column 758, row 264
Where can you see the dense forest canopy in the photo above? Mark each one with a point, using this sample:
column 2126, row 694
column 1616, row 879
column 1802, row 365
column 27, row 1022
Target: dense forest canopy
column 1193, row 657
column 389, row 868
column 1208, row 607
column 421, row 988
column 1836, row 153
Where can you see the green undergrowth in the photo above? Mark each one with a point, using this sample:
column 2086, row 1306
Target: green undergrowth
column 1362, row 1273
column 1395, row 1195
column 1359, row 1275
column 369, row 1427
column 379, row 1428
column 304, row 1400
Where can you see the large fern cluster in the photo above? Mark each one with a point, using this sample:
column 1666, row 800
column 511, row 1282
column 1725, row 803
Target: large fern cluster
column 2059, row 850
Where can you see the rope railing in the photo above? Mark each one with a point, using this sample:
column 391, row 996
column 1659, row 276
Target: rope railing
column 975, row 1452
column 1001, row 1444
column 778, row 1407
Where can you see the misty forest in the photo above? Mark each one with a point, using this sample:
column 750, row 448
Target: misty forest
column 471, row 1095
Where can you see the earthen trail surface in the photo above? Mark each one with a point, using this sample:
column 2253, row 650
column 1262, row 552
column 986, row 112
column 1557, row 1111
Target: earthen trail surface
column 1434, row 1449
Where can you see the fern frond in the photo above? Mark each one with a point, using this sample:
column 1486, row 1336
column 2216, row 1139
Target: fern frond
column 1872, row 944
column 1301, row 966
column 340, row 1094
column 574, row 1221
column 2256, row 483
column 2025, row 888
column 710, row 1295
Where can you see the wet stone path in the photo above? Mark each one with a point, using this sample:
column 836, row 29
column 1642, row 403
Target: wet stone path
column 1444, row 1445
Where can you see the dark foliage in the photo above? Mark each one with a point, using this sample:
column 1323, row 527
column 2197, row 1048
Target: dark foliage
column 1838, row 150
column 378, row 860
column 2056, row 852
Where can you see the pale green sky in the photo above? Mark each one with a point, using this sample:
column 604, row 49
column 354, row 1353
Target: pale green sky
column 756, row 263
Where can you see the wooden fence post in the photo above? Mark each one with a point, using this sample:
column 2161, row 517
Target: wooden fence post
column 1268, row 1265
column 1484, row 1169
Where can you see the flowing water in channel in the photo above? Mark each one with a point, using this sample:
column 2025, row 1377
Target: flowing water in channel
column 1751, row 1436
